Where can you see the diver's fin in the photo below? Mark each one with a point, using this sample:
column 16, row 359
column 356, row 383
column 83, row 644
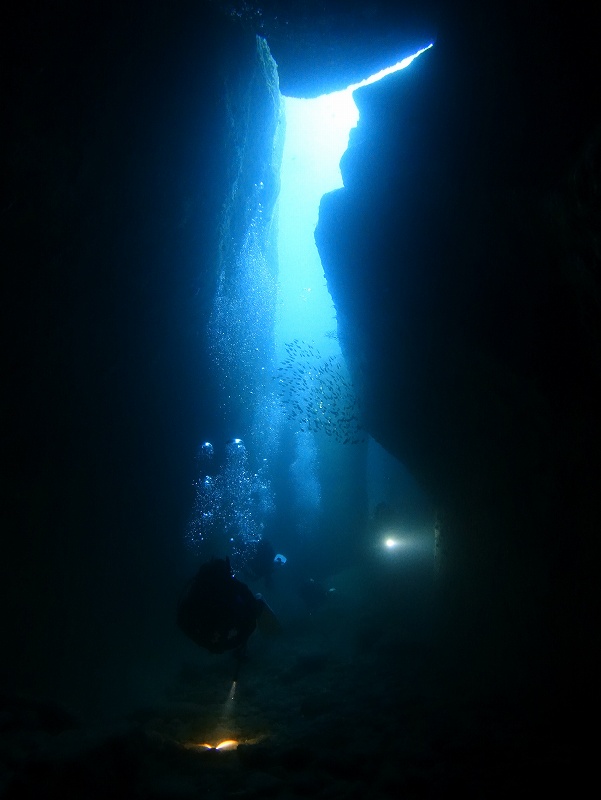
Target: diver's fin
column 267, row 622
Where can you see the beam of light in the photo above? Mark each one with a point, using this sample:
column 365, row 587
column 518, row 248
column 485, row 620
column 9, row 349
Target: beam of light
column 393, row 541
column 227, row 712
column 224, row 725
column 226, row 744
column 317, row 135
column 414, row 543
column 228, row 705
column 389, row 70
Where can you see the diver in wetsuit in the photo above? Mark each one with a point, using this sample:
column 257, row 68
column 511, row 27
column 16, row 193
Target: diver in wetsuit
column 219, row 612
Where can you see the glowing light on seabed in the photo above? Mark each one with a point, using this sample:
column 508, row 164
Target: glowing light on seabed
column 225, row 723
column 227, row 744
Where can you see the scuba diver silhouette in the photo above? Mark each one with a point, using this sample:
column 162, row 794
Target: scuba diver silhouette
column 219, row 612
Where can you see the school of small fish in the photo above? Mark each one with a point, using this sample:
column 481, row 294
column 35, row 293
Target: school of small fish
column 317, row 394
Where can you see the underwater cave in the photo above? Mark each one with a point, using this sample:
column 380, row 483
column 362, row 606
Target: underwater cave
column 362, row 365
column 300, row 470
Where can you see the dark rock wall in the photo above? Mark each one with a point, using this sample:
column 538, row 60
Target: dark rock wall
column 454, row 258
column 119, row 152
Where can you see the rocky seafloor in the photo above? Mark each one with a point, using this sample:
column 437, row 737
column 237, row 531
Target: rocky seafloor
column 357, row 699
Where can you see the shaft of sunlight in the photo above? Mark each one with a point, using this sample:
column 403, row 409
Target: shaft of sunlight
column 317, row 135
column 383, row 73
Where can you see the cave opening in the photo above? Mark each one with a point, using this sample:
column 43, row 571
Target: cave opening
column 297, row 470
column 321, row 404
